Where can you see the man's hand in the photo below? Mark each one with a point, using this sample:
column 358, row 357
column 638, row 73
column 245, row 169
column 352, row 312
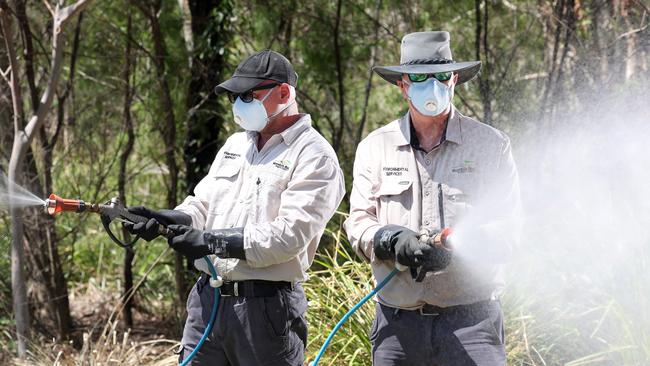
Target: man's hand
column 403, row 245
column 387, row 238
column 431, row 258
column 189, row 242
column 194, row 243
column 150, row 230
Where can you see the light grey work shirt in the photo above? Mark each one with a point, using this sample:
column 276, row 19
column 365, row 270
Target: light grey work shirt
column 282, row 195
column 469, row 174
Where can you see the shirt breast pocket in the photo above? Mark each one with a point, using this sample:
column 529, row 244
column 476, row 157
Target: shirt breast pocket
column 455, row 203
column 269, row 187
column 394, row 201
column 223, row 193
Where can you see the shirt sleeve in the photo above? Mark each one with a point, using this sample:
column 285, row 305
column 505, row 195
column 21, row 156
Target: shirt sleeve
column 362, row 223
column 306, row 205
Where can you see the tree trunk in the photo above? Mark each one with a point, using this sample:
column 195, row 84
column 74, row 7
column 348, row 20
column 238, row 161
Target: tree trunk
column 482, row 54
column 23, row 135
column 373, row 61
column 337, row 139
column 168, row 128
column 44, row 234
column 129, row 253
column 206, row 116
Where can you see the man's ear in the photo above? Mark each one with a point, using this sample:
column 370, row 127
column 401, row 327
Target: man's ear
column 455, row 77
column 285, row 93
column 403, row 88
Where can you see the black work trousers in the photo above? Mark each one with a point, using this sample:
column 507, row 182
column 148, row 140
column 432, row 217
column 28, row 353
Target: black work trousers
column 248, row 330
column 468, row 335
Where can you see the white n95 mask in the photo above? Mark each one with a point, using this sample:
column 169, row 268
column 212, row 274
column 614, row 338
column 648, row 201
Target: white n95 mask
column 252, row 116
column 430, row 97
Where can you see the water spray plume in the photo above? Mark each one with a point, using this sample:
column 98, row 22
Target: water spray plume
column 14, row 195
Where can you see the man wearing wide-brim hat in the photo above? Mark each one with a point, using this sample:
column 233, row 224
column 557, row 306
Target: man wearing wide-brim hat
column 431, row 169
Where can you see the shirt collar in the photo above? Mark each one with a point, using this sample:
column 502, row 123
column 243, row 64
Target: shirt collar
column 290, row 134
column 451, row 133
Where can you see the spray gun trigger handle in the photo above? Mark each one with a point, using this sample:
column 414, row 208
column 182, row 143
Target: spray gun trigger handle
column 106, row 221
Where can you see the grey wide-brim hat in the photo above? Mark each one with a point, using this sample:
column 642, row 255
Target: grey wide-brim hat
column 427, row 53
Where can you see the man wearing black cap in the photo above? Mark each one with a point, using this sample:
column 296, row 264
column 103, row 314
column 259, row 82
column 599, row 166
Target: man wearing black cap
column 259, row 215
column 431, row 169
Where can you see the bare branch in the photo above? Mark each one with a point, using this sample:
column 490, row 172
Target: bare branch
column 16, row 96
column 49, row 7
column 60, row 20
column 5, row 75
column 467, row 105
column 627, row 34
column 318, row 107
column 375, row 20
column 67, row 13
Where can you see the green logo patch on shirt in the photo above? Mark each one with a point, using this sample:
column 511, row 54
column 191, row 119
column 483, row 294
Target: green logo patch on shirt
column 467, row 167
column 282, row 164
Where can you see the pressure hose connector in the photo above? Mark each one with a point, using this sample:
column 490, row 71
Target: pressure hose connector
column 438, row 239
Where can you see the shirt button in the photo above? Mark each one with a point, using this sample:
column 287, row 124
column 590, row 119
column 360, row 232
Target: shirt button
column 428, row 162
column 426, row 193
column 426, row 222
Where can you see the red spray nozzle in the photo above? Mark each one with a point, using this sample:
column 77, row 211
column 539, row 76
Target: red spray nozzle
column 55, row 204
column 444, row 235
column 437, row 239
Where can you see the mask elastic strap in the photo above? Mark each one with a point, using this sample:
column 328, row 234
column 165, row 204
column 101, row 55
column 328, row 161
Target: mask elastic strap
column 281, row 110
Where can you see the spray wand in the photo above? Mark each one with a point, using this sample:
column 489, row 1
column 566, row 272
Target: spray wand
column 114, row 210
column 110, row 211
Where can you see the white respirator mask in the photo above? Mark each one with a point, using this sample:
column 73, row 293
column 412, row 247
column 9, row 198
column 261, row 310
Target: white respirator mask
column 252, row 115
column 430, row 97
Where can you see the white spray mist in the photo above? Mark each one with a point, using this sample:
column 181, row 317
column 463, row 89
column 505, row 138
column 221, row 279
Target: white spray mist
column 20, row 197
column 580, row 276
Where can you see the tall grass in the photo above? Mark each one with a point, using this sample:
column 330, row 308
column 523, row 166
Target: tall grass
column 332, row 290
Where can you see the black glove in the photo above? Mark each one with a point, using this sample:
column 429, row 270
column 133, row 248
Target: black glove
column 387, row 237
column 149, row 230
column 436, row 259
column 403, row 245
column 413, row 253
column 195, row 243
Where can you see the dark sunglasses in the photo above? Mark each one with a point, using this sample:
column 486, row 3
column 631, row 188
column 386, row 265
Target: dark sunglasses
column 440, row 76
column 248, row 96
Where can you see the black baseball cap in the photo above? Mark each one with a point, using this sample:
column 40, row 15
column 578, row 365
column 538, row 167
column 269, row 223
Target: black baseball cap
column 261, row 66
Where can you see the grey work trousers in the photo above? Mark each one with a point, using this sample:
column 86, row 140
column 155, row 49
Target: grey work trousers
column 248, row 330
column 469, row 335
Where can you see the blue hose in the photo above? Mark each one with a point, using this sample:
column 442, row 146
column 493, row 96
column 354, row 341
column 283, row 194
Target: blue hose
column 213, row 315
column 349, row 313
